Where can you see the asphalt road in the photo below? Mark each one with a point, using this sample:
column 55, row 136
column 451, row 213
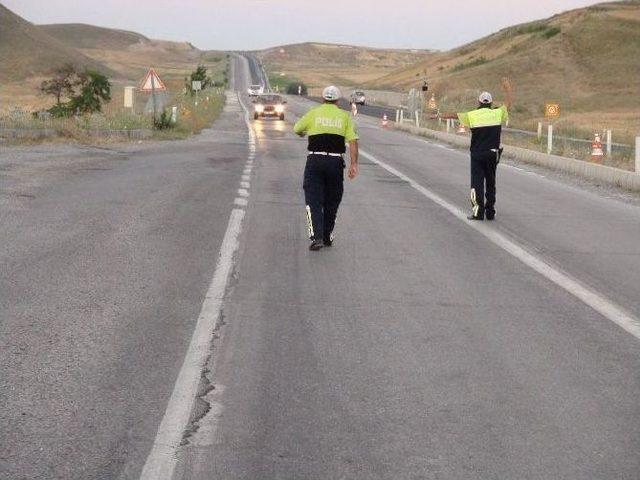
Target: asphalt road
column 418, row 347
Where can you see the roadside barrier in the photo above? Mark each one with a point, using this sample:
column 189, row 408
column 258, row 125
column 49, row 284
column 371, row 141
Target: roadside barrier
column 593, row 171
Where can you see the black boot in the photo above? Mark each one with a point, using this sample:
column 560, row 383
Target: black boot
column 316, row 245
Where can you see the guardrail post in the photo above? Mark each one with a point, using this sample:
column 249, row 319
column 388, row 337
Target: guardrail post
column 401, row 116
column 397, row 115
column 550, row 140
column 608, row 143
column 637, row 154
column 539, row 130
column 417, row 119
column 448, row 124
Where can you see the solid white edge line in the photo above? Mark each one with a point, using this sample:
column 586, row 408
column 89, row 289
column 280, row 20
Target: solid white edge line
column 161, row 461
column 592, row 298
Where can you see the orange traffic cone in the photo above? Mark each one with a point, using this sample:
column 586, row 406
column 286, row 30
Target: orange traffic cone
column 597, row 153
column 385, row 121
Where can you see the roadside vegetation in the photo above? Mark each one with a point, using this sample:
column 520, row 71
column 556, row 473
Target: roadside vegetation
column 287, row 84
column 87, row 110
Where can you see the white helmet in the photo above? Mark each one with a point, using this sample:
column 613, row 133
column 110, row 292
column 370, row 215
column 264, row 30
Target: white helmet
column 331, row 94
column 485, row 98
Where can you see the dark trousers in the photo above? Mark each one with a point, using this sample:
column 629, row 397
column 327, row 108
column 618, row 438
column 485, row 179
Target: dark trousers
column 483, row 183
column 323, row 188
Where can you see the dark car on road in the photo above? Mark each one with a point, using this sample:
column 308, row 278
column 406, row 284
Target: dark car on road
column 269, row 105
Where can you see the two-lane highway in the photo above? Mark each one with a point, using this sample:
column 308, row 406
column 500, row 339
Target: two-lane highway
column 162, row 318
column 420, row 346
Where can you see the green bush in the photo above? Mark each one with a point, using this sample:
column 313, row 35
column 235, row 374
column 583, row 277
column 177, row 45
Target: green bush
column 163, row 122
column 551, row 32
column 292, row 88
column 473, row 63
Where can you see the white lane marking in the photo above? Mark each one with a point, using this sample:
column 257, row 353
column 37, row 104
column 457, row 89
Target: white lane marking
column 592, row 298
column 246, row 171
column 241, row 202
column 162, row 460
column 246, row 178
column 245, row 185
column 243, row 192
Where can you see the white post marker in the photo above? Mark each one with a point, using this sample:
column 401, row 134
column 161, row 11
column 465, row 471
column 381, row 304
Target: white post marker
column 539, row 130
column 550, row 140
column 174, row 114
column 397, row 115
column 417, row 119
column 637, row 154
column 129, row 97
column 401, row 116
column 608, row 143
column 448, row 124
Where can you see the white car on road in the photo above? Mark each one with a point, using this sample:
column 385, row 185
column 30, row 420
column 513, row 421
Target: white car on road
column 255, row 90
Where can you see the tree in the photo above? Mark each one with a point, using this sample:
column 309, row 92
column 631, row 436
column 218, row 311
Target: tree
column 198, row 75
column 95, row 88
column 86, row 90
column 63, row 83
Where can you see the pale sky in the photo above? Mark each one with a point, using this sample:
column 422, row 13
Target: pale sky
column 257, row 24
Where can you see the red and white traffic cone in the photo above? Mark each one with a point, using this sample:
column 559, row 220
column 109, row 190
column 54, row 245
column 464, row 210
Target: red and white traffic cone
column 385, row 121
column 597, row 154
column 461, row 128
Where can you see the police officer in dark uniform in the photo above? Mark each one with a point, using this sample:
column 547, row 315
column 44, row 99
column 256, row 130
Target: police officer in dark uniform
column 486, row 129
column 328, row 128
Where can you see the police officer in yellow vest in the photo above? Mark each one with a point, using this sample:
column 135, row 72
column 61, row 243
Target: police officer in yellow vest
column 486, row 129
column 328, row 128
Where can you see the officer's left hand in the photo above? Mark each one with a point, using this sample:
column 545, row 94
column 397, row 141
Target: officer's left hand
column 353, row 171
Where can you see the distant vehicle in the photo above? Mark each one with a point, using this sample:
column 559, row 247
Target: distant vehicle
column 358, row 97
column 255, row 90
column 269, row 105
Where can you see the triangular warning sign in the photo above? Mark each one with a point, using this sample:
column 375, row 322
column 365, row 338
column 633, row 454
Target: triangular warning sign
column 152, row 82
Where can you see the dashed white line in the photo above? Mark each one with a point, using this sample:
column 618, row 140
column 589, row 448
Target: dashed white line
column 162, row 459
column 246, row 178
column 246, row 185
column 592, row 298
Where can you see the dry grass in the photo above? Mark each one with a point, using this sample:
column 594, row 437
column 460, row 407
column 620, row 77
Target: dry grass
column 588, row 60
column 318, row 64
column 29, row 53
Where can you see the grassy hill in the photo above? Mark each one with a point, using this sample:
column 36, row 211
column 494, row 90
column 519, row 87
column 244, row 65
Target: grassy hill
column 588, row 60
column 91, row 37
column 27, row 51
column 320, row 63
column 30, row 53
column 129, row 53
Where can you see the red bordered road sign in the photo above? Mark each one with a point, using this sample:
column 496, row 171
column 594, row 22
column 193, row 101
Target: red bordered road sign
column 152, row 82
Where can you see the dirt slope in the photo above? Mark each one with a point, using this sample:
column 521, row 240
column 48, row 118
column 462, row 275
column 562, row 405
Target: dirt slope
column 586, row 59
column 28, row 51
column 321, row 63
